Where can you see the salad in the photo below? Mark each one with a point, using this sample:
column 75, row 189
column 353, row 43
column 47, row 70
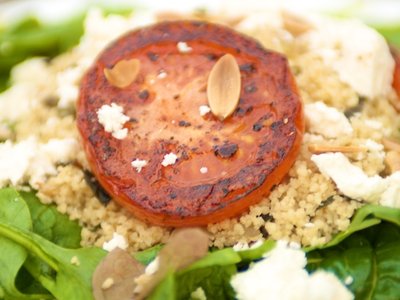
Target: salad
column 275, row 132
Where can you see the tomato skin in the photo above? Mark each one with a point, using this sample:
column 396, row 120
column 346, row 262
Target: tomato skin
column 396, row 74
column 179, row 195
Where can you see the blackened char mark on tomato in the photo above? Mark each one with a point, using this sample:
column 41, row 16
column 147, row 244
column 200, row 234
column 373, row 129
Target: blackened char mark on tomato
column 154, row 194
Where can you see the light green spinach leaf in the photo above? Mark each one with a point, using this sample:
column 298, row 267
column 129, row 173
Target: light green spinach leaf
column 12, row 256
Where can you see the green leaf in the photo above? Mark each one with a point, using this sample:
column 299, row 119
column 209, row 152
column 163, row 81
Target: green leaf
column 51, row 224
column 258, row 252
column 147, row 256
column 367, row 216
column 71, row 281
column 215, row 282
column 372, row 259
column 166, row 290
column 12, row 256
column 224, row 257
column 368, row 251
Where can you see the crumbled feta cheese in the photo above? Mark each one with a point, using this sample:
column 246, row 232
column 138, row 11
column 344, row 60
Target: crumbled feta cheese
column 350, row 179
column 203, row 170
column 327, row 121
column 139, row 164
column 153, row 266
column 75, row 261
column 68, row 86
column 109, row 282
column 354, row 183
column 30, row 161
column 204, row 109
column 117, row 241
column 48, row 156
column 391, row 196
column 358, row 53
column 183, row 47
column 169, row 159
column 113, row 120
column 162, row 75
column 198, row 294
column 15, row 160
column 281, row 276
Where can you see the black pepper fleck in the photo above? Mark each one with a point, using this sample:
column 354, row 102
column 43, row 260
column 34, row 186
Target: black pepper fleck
column 183, row 123
column 226, row 150
column 247, row 67
column 144, row 95
column 257, row 127
column 152, row 56
column 211, row 56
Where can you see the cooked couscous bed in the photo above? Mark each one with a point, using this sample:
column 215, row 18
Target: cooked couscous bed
column 308, row 207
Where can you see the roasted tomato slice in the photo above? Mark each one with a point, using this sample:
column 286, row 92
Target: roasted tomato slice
column 223, row 167
column 396, row 74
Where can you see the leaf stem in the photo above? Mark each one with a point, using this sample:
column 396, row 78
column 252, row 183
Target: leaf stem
column 23, row 239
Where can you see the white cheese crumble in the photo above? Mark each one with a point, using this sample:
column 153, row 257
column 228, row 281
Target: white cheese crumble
column 169, row 159
column 327, row 121
column 68, row 86
column 391, row 196
column 139, row 164
column 113, row 120
column 162, row 75
column 350, row 179
column 358, row 53
column 203, row 170
column 153, row 266
column 183, row 47
column 204, row 109
column 281, row 276
column 117, row 241
column 354, row 183
column 31, row 162
column 32, row 81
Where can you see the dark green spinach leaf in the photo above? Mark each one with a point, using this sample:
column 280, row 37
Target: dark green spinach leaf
column 51, row 224
column 367, row 253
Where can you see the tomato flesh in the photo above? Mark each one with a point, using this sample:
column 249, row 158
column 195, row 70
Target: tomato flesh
column 241, row 158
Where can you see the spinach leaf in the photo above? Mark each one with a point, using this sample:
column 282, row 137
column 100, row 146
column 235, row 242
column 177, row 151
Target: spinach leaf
column 370, row 257
column 51, row 224
column 73, row 267
column 214, row 280
column 166, row 290
column 12, row 256
column 368, row 253
column 147, row 256
column 256, row 253
column 212, row 273
column 367, row 216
